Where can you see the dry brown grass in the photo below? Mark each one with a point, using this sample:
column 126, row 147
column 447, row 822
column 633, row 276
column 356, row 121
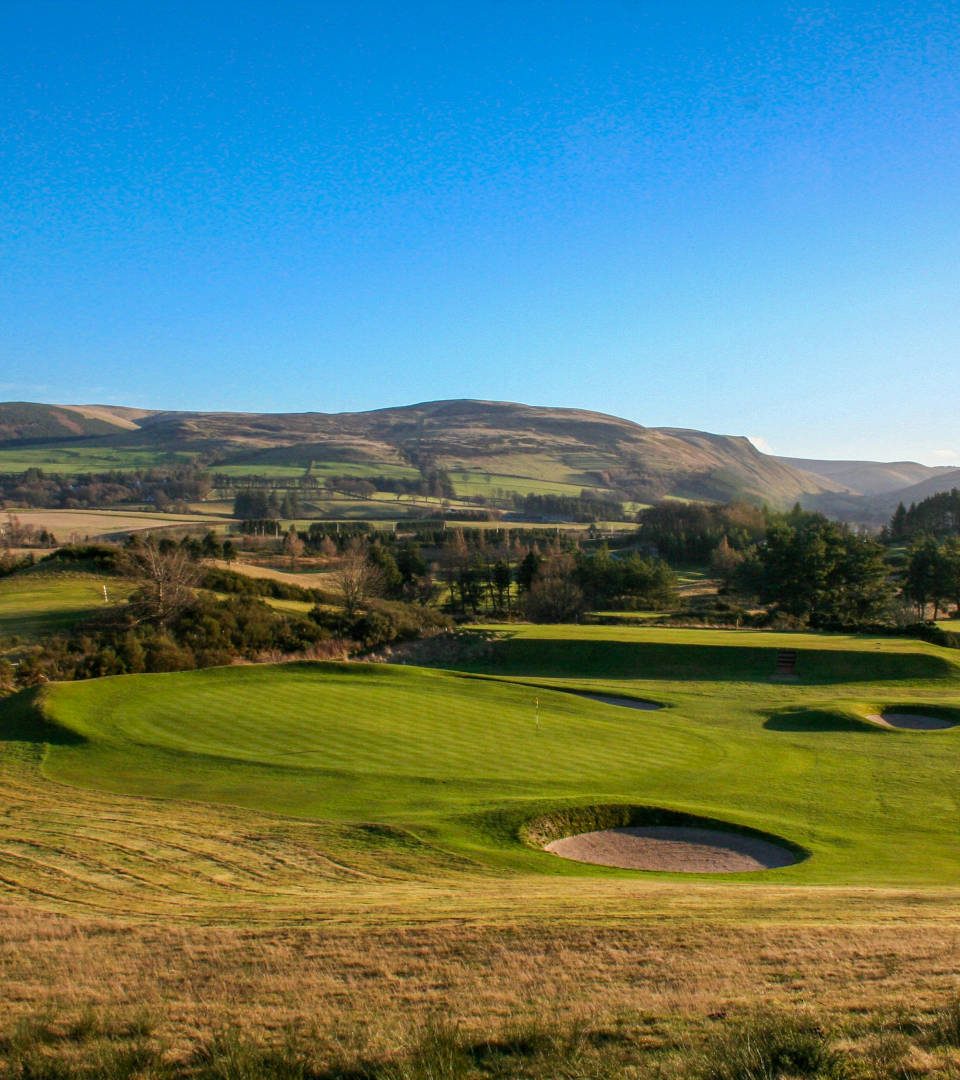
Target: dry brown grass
column 69, row 525
column 209, row 917
column 384, row 976
column 307, row 579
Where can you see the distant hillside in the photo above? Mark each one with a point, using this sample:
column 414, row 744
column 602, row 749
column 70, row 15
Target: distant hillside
column 869, row 477
column 570, row 447
column 946, row 480
column 25, row 420
column 487, row 445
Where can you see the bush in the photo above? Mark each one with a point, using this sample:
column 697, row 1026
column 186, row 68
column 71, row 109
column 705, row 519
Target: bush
column 386, row 621
column 96, row 556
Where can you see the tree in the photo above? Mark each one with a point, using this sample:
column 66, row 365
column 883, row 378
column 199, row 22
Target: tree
column 166, row 575
column 725, row 560
column 251, row 505
column 923, row 580
column 500, row 581
column 950, row 571
column 293, row 544
column 356, row 578
column 898, row 523
column 554, row 596
column 820, row 571
column 527, row 570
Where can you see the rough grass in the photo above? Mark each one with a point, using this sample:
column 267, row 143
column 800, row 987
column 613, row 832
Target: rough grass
column 642, row 999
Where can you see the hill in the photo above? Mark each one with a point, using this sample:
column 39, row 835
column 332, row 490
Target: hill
column 872, row 489
column 870, row 477
column 934, row 485
column 28, row 421
column 489, row 445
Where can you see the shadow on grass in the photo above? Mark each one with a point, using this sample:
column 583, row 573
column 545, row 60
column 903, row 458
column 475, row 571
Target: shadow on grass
column 22, row 720
column 819, row 720
column 720, row 663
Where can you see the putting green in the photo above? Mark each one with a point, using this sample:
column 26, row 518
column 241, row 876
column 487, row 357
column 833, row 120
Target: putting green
column 462, row 762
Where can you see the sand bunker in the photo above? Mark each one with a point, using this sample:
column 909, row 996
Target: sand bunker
column 911, row 721
column 673, row 848
column 612, row 699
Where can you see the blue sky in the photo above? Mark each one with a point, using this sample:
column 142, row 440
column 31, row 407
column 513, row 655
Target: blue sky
column 743, row 218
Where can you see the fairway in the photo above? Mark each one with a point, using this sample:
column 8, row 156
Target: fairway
column 461, row 762
column 48, row 600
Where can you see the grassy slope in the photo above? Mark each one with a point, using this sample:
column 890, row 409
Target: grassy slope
column 60, row 458
column 42, row 601
column 460, row 762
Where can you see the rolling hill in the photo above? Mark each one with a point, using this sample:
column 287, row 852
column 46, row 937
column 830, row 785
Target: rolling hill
column 871, row 489
column 871, row 477
column 489, row 444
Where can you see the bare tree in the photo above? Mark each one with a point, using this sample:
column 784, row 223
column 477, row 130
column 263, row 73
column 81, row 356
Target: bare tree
column 293, row 545
column 166, row 576
column 356, row 579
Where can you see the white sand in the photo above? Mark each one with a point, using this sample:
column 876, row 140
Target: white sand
column 673, row 848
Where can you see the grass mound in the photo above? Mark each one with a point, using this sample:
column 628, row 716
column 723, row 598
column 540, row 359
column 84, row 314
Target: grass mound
column 627, row 653
column 800, row 719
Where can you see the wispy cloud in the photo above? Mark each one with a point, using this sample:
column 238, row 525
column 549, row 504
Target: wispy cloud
column 761, row 444
column 946, row 455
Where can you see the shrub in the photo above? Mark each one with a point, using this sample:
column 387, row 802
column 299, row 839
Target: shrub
column 386, row 621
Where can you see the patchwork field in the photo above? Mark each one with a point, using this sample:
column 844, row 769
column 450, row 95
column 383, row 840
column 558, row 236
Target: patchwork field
column 343, row 841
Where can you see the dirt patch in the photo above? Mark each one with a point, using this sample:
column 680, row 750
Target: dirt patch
column 678, row 849
column 911, row 721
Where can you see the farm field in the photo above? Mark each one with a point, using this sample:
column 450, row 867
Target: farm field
column 320, row 469
column 104, row 524
column 72, row 460
column 339, row 843
column 476, row 482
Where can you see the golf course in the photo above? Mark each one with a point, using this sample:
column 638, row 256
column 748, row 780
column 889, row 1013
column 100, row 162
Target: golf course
column 458, row 765
column 375, row 836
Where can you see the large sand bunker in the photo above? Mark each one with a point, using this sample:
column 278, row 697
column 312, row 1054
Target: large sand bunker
column 673, row 848
column 911, row 721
